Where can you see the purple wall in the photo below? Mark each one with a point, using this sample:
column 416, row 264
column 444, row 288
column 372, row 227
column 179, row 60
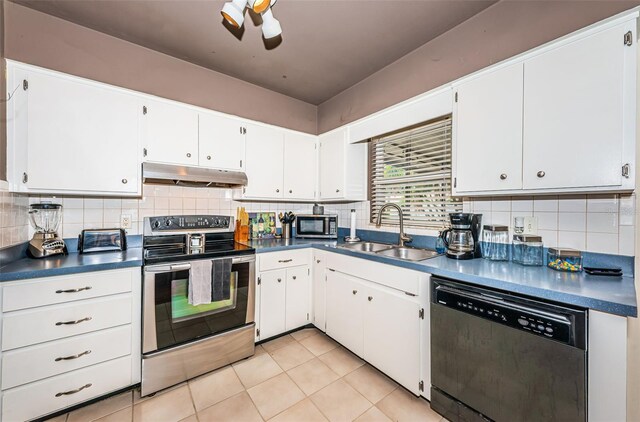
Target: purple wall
column 497, row 33
column 36, row 38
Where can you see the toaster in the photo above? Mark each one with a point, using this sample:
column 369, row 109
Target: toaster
column 102, row 240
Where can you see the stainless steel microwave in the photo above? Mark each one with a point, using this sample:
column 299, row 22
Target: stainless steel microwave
column 323, row 226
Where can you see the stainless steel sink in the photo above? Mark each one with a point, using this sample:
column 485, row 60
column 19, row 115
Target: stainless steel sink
column 366, row 246
column 408, row 254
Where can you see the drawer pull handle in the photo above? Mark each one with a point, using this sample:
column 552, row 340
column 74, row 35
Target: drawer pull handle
column 74, row 322
column 74, row 290
column 77, row 390
column 282, row 261
column 86, row 352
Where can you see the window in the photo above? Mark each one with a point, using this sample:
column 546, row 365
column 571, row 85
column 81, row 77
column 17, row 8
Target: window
column 412, row 168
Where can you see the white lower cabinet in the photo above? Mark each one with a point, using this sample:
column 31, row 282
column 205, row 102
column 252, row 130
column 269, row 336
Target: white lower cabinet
column 283, row 300
column 273, row 298
column 58, row 352
column 319, row 290
column 380, row 324
column 345, row 318
column 52, row 394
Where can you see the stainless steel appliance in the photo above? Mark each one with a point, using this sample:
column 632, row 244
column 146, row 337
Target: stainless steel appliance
column 45, row 219
column 317, row 226
column 180, row 340
column 462, row 239
column 504, row 357
column 201, row 177
column 102, row 240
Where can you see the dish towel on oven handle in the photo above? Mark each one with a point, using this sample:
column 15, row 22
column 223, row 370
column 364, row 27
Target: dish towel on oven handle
column 221, row 279
column 200, row 282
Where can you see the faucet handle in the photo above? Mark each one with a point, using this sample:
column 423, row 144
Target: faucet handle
column 406, row 238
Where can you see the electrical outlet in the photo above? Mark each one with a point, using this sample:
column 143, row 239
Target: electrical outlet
column 125, row 221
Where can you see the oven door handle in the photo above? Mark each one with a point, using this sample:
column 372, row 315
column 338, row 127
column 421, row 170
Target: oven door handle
column 167, row 268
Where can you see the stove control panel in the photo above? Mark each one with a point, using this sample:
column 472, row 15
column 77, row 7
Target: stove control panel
column 190, row 222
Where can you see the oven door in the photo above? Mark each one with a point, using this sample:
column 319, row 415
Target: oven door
column 168, row 318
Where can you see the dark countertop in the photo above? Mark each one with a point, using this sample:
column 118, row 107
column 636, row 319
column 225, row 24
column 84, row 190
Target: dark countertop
column 73, row 263
column 615, row 295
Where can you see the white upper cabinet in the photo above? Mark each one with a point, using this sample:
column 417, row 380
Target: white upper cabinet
column 221, row 142
column 488, row 131
column 575, row 100
column 70, row 135
column 170, row 133
column 265, row 160
column 562, row 119
column 343, row 167
column 299, row 166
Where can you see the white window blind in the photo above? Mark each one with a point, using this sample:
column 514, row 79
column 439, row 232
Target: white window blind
column 412, row 168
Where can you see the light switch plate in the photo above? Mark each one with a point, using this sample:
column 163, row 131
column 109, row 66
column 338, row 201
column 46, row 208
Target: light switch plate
column 531, row 225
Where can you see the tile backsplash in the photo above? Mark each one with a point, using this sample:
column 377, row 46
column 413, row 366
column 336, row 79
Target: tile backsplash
column 603, row 223
column 594, row 223
column 105, row 212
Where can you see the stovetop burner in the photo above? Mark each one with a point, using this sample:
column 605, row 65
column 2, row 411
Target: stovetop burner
column 176, row 238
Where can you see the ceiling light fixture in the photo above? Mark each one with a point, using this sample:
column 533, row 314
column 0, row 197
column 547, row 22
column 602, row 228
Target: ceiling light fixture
column 233, row 13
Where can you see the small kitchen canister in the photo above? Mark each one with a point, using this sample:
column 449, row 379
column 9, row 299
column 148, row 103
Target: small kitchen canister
column 495, row 242
column 528, row 249
column 564, row 259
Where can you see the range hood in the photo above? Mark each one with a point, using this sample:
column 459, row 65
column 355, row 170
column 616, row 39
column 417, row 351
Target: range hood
column 191, row 176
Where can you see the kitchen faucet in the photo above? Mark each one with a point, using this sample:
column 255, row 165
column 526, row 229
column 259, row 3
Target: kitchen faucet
column 402, row 238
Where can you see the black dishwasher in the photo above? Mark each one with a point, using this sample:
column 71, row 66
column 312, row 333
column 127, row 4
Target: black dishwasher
column 504, row 357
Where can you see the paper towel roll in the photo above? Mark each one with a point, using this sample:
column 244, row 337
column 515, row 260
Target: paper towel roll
column 352, row 228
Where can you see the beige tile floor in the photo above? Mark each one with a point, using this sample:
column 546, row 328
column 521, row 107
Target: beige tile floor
column 301, row 377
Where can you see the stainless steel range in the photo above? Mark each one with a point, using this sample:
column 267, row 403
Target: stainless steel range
column 182, row 338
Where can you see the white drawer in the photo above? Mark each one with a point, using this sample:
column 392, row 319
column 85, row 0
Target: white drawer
column 24, row 328
column 34, row 363
column 39, row 398
column 52, row 290
column 277, row 260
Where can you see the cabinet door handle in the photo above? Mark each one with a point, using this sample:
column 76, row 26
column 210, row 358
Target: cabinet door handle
column 208, row 157
column 540, row 174
column 317, row 261
column 124, row 181
column 277, row 190
column 370, row 298
column 503, row 176
column 188, row 155
column 86, row 352
column 290, row 191
column 77, row 390
column 337, row 190
column 74, row 322
column 355, row 291
column 279, row 280
column 74, row 290
column 284, row 260
column 294, row 277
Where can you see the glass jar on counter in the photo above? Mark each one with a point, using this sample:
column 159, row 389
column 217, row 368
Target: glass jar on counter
column 495, row 243
column 564, row 259
column 528, row 249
